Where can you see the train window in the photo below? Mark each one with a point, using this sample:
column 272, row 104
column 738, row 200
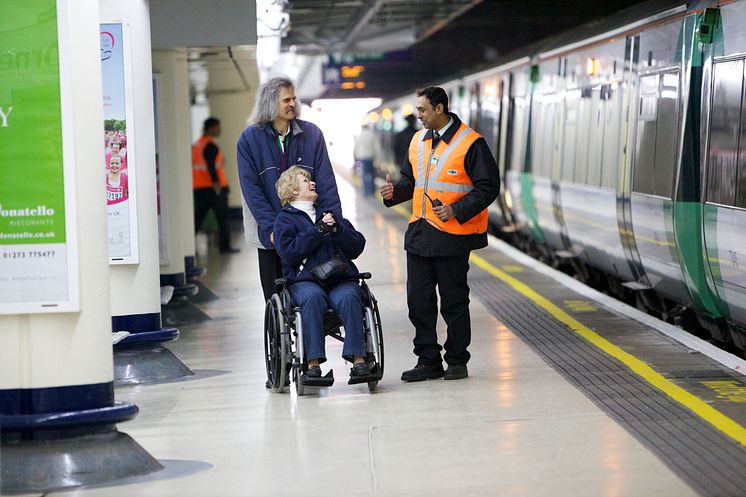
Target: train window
column 725, row 119
column 542, row 135
column 596, row 137
column 646, row 130
column 665, row 144
column 657, row 131
column 489, row 116
column 520, row 131
column 582, row 141
column 611, row 156
column 570, row 135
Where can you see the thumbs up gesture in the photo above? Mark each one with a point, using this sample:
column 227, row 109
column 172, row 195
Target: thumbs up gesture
column 387, row 189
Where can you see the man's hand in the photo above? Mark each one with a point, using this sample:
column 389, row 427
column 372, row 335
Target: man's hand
column 387, row 190
column 444, row 212
column 217, row 188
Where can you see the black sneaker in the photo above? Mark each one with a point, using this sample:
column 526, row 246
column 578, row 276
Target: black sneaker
column 360, row 370
column 422, row 372
column 456, row 372
column 314, row 372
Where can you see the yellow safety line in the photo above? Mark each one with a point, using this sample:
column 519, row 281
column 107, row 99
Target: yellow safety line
column 698, row 406
column 701, row 408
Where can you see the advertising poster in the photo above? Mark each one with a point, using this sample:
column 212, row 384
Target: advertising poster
column 119, row 163
column 38, row 269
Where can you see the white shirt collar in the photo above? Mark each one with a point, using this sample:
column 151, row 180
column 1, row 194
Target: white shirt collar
column 442, row 130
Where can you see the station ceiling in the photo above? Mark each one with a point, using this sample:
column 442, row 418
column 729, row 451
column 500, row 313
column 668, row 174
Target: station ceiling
column 406, row 44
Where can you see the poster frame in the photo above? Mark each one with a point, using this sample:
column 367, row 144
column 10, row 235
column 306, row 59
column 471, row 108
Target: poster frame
column 129, row 106
column 72, row 303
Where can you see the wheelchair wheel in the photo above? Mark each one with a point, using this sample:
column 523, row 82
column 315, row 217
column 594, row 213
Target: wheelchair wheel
column 373, row 328
column 275, row 344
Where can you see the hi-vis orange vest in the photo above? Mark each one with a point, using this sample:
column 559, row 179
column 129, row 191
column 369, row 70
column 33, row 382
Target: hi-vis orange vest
column 441, row 174
column 200, row 175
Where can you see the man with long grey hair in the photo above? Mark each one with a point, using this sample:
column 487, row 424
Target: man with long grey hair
column 274, row 140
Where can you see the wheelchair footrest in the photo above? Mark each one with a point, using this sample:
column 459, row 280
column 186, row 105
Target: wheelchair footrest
column 325, row 381
column 375, row 375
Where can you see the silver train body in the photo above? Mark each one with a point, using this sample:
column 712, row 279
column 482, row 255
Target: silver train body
column 623, row 156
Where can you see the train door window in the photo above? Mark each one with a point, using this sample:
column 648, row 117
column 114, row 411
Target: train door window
column 570, row 134
column 646, row 131
column 474, row 106
column 610, row 161
column 667, row 133
column 727, row 78
column 520, row 131
column 596, row 127
column 542, row 135
column 583, row 137
column 489, row 116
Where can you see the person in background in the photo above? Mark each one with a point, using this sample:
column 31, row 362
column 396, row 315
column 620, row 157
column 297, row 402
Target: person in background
column 209, row 183
column 451, row 178
column 274, row 140
column 367, row 151
column 306, row 237
column 403, row 138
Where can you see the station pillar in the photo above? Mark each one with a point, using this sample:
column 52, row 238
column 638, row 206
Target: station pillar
column 135, row 282
column 175, row 180
column 56, row 374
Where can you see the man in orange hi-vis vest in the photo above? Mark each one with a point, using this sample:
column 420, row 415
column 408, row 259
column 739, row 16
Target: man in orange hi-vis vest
column 451, row 178
column 209, row 183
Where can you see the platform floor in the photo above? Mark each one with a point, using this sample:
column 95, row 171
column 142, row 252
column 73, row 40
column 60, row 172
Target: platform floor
column 532, row 420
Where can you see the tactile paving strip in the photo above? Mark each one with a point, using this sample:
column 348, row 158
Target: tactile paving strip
column 710, row 462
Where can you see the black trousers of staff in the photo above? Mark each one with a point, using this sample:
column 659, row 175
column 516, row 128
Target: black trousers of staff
column 206, row 199
column 448, row 275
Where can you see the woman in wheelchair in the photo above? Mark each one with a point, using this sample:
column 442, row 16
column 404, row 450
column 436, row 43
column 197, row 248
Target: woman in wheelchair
column 305, row 240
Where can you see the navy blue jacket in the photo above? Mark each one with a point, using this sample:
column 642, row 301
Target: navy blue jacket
column 297, row 238
column 259, row 169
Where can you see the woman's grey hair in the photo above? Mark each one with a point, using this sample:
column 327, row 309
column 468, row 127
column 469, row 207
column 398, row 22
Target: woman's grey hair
column 266, row 105
column 287, row 186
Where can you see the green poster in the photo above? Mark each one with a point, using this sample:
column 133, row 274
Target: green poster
column 32, row 207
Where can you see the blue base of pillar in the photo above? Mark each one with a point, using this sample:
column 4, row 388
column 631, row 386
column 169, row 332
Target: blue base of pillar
column 181, row 287
column 191, row 270
column 141, row 358
column 61, row 437
column 42, row 466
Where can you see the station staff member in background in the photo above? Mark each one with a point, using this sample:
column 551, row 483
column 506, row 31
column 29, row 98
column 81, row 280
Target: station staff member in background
column 452, row 178
column 275, row 140
column 209, row 183
column 403, row 138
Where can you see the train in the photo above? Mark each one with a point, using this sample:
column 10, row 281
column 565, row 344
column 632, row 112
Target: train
column 622, row 152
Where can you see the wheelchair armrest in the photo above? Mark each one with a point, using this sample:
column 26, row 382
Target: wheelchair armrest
column 364, row 276
column 280, row 281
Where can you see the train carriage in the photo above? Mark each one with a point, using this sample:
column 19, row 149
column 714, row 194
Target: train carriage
column 622, row 150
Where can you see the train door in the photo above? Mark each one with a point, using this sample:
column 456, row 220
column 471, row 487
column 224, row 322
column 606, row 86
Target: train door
column 635, row 274
column 724, row 213
column 654, row 160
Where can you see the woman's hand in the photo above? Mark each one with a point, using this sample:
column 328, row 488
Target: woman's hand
column 326, row 224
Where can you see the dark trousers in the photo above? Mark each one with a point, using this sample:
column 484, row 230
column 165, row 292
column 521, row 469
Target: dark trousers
column 206, row 199
column 448, row 274
column 270, row 269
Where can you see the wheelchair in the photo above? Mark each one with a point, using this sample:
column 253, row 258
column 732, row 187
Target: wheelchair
column 283, row 341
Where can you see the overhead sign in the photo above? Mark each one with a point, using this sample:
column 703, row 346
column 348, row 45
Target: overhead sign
column 38, row 252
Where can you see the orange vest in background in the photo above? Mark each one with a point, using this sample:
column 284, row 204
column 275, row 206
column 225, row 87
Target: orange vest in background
column 200, row 174
column 441, row 174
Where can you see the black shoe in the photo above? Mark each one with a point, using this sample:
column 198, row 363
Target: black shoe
column 422, row 372
column 456, row 372
column 229, row 250
column 360, row 370
column 314, row 372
